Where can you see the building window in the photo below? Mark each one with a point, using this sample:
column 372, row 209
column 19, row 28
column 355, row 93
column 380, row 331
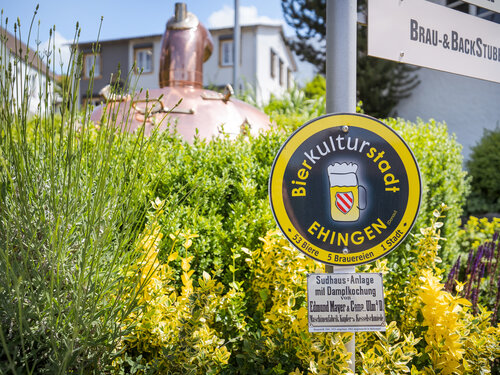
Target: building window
column 273, row 64
column 289, row 79
column 226, row 56
column 91, row 61
column 280, row 72
column 143, row 58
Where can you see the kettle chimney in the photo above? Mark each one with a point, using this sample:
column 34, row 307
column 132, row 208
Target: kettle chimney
column 186, row 45
column 180, row 12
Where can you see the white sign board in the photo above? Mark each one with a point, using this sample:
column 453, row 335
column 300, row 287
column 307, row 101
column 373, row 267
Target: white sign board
column 422, row 33
column 493, row 5
column 345, row 302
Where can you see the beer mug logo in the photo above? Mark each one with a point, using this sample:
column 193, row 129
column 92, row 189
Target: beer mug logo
column 345, row 192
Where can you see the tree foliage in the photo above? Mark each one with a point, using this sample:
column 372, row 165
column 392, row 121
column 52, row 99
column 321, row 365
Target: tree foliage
column 484, row 167
column 381, row 84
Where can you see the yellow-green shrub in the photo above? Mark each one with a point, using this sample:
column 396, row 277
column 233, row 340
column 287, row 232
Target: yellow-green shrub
column 177, row 331
column 455, row 340
column 260, row 326
column 387, row 353
column 433, row 332
column 278, row 286
column 475, row 232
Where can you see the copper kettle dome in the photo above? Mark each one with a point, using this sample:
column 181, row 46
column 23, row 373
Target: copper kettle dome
column 181, row 102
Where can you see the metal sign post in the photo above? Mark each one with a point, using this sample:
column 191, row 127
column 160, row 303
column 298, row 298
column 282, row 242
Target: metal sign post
column 236, row 47
column 341, row 19
column 345, row 189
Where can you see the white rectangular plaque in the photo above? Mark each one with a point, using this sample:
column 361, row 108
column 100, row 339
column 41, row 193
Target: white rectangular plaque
column 421, row 33
column 345, row 302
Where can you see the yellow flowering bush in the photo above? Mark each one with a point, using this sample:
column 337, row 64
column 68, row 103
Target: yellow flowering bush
column 279, row 286
column 445, row 333
column 457, row 341
column 476, row 231
column 425, row 254
column 387, row 353
column 434, row 332
column 187, row 325
column 175, row 331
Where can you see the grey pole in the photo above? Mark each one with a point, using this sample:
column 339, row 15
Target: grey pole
column 236, row 46
column 341, row 18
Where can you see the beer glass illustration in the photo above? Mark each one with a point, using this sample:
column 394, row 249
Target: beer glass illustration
column 344, row 192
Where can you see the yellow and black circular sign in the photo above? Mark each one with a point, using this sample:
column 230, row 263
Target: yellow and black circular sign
column 345, row 189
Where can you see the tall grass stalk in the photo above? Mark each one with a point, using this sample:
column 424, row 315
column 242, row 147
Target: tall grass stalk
column 73, row 197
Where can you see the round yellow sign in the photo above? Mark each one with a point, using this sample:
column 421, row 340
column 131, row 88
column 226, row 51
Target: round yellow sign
column 345, row 189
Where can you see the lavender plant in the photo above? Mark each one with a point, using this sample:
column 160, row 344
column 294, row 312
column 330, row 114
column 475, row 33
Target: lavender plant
column 72, row 201
column 478, row 280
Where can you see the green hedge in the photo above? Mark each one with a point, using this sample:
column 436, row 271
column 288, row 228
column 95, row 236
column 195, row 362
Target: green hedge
column 444, row 181
column 484, row 167
column 222, row 188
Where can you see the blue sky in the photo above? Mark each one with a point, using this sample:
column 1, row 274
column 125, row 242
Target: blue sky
column 128, row 18
column 123, row 18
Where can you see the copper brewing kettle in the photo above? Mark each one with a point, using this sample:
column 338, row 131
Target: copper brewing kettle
column 181, row 102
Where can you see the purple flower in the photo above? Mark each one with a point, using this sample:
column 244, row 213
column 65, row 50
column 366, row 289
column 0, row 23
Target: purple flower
column 469, row 261
column 481, row 273
column 495, row 237
column 474, row 299
column 477, row 259
column 451, row 277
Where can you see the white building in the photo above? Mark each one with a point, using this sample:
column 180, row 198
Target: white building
column 29, row 74
column 266, row 62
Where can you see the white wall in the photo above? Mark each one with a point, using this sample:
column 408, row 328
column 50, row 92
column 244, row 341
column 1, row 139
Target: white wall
column 269, row 38
column 248, row 66
column 467, row 105
column 215, row 74
column 37, row 84
column 255, row 68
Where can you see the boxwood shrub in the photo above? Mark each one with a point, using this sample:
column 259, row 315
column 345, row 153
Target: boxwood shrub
column 444, row 181
column 484, row 167
column 220, row 187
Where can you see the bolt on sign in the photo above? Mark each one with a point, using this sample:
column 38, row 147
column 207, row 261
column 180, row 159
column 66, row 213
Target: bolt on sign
column 345, row 189
column 345, row 302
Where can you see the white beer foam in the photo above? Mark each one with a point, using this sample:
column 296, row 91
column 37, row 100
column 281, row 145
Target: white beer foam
column 343, row 174
column 342, row 168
